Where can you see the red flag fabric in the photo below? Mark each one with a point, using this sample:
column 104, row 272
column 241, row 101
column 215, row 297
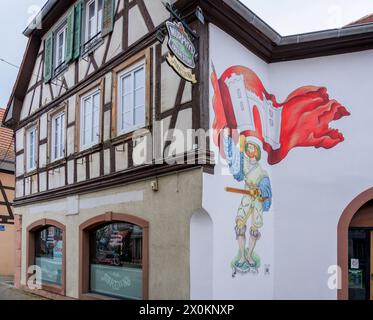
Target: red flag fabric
column 305, row 115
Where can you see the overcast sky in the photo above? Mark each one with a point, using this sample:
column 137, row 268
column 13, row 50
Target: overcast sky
column 285, row 16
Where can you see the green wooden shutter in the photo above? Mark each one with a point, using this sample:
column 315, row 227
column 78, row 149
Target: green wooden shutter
column 48, row 57
column 69, row 36
column 108, row 17
column 77, row 30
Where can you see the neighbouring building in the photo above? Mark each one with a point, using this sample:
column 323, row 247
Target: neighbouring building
column 155, row 162
column 7, row 228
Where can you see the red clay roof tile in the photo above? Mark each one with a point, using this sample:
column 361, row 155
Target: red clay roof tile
column 367, row 19
column 6, row 141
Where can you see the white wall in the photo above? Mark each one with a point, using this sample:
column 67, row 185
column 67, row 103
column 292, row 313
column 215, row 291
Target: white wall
column 201, row 249
column 222, row 206
column 311, row 186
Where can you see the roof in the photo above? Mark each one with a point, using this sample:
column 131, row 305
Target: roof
column 364, row 20
column 233, row 17
column 7, row 156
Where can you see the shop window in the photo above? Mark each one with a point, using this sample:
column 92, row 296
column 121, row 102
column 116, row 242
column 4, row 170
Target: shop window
column 116, row 261
column 49, row 254
column 46, row 250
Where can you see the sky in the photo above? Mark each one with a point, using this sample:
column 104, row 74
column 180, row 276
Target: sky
column 285, row 16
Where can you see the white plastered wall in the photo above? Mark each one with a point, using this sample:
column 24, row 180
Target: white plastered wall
column 311, row 187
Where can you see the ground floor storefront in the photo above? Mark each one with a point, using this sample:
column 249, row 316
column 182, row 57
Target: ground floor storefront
column 127, row 242
column 139, row 242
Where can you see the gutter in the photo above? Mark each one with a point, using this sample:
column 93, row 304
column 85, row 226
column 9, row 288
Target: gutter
column 279, row 40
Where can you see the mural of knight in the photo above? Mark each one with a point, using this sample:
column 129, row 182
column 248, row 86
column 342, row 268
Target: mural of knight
column 245, row 166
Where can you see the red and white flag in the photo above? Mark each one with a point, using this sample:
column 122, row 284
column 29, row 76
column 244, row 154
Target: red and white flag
column 242, row 103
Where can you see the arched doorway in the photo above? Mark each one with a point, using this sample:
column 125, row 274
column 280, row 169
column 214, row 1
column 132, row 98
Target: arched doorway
column 355, row 249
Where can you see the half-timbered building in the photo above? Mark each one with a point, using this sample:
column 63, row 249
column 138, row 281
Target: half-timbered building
column 7, row 228
column 93, row 106
column 186, row 151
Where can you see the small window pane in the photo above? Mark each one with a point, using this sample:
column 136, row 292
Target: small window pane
column 95, row 118
column 48, row 254
column 99, row 16
column 87, row 121
column 127, row 102
column 140, row 116
column 91, row 20
column 127, row 85
column 139, row 78
column 127, row 120
column 139, row 98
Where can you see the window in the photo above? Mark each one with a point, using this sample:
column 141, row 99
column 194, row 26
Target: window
column 89, row 120
column 93, row 19
column 131, row 99
column 60, row 49
column 116, row 268
column 58, row 136
column 49, row 254
column 31, row 149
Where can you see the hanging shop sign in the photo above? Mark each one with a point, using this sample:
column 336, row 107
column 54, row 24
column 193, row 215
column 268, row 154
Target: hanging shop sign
column 181, row 70
column 182, row 59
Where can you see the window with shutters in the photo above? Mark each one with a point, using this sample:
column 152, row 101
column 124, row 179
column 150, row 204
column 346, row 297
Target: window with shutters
column 90, row 119
column 31, row 149
column 131, row 115
column 62, row 44
column 58, row 136
column 93, row 25
column 99, row 19
column 60, row 48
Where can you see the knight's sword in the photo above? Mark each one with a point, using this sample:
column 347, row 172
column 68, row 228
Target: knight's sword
column 250, row 193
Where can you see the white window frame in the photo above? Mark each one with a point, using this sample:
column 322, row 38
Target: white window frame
column 94, row 121
column 58, row 138
column 32, row 148
column 97, row 19
column 62, row 30
column 130, row 71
